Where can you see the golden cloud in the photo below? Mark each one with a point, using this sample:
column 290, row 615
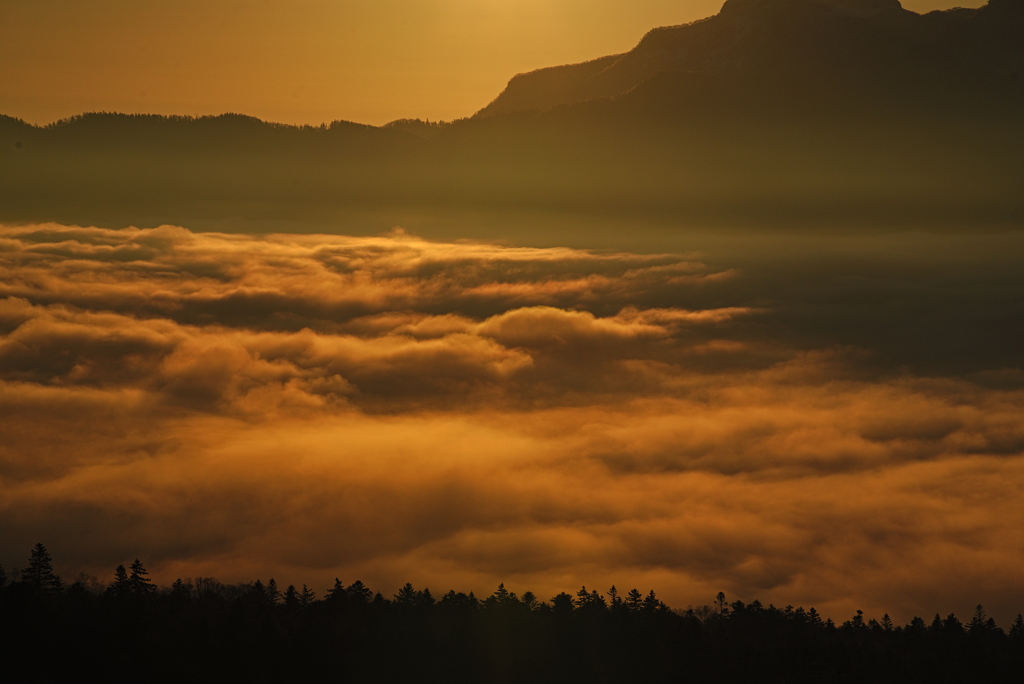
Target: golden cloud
column 459, row 414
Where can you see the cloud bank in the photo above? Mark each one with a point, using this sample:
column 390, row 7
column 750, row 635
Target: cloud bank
column 461, row 414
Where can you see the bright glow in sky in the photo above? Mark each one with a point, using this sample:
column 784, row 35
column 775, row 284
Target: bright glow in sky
column 307, row 61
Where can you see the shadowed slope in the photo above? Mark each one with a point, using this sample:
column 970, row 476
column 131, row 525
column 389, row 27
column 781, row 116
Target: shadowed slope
column 782, row 41
column 773, row 112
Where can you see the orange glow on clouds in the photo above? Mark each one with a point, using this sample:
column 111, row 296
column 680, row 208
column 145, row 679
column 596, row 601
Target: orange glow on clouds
column 459, row 414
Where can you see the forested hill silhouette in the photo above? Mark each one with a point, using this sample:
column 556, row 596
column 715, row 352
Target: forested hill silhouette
column 797, row 42
column 200, row 630
column 809, row 113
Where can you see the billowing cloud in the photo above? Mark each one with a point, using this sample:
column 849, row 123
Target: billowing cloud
column 459, row 414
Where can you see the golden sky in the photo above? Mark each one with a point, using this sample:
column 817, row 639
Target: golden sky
column 307, row 61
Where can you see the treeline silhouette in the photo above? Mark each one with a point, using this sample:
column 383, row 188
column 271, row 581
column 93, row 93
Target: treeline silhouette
column 202, row 630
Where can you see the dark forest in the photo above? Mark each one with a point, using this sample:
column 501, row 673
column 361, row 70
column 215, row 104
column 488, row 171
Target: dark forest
column 200, row 629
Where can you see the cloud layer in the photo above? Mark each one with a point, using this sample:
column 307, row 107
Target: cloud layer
column 459, row 414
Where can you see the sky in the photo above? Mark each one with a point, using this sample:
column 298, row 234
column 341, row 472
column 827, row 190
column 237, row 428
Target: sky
column 307, row 61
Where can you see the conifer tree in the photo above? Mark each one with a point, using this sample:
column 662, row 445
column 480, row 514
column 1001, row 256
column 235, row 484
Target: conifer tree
column 3, row 577
column 139, row 583
column 180, row 590
column 358, row 593
column 122, row 585
column 501, row 598
column 291, row 596
column 1017, row 628
column 562, row 603
column 590, row 600
column 39, row 573
column 407, row 596
column 336, row 594
column 652, row 604
column 307, row 596
column 952, row 624
column 634, row 599
column 273, row 592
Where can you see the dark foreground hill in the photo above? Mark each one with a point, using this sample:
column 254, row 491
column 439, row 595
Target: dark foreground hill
column 204, row 631
column 774, row 112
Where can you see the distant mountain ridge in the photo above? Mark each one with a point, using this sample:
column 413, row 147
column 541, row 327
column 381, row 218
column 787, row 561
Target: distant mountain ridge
column 779, row 41
column 772, row 112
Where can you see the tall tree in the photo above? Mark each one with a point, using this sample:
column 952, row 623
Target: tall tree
column 358, row 593
column 652, row 604
column 562, row 603
column 291, row 596
column 336, row 594
column 121, row 586
column 634, row 599
column 39, row 573
column 139, row 582
column 1017, row 628
column 591, row 600
column 407, row 596
column 501, row 599
column 181, row 590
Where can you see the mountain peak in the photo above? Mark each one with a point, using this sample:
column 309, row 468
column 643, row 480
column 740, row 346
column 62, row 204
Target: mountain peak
column 795, row 41
column 854, row 8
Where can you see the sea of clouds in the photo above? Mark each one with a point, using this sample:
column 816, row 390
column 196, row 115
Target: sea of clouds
column 458, row 414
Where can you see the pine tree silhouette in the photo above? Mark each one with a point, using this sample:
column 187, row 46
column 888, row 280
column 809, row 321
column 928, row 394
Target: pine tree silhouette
column 273, row 592
column 1017, row 628
column 720, row 603
column 652, row 604
column 139, row 584
column 358, row 593
column 121, row 586
column 180, row 590
column 336, row 594
column 39, row 574
column 634, row 599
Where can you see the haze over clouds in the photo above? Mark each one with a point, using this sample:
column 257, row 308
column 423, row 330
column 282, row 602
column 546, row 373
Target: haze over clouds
column 460, row 414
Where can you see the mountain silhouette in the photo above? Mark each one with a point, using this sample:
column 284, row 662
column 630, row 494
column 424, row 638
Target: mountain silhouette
column 787, row 43
column 772, row 112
